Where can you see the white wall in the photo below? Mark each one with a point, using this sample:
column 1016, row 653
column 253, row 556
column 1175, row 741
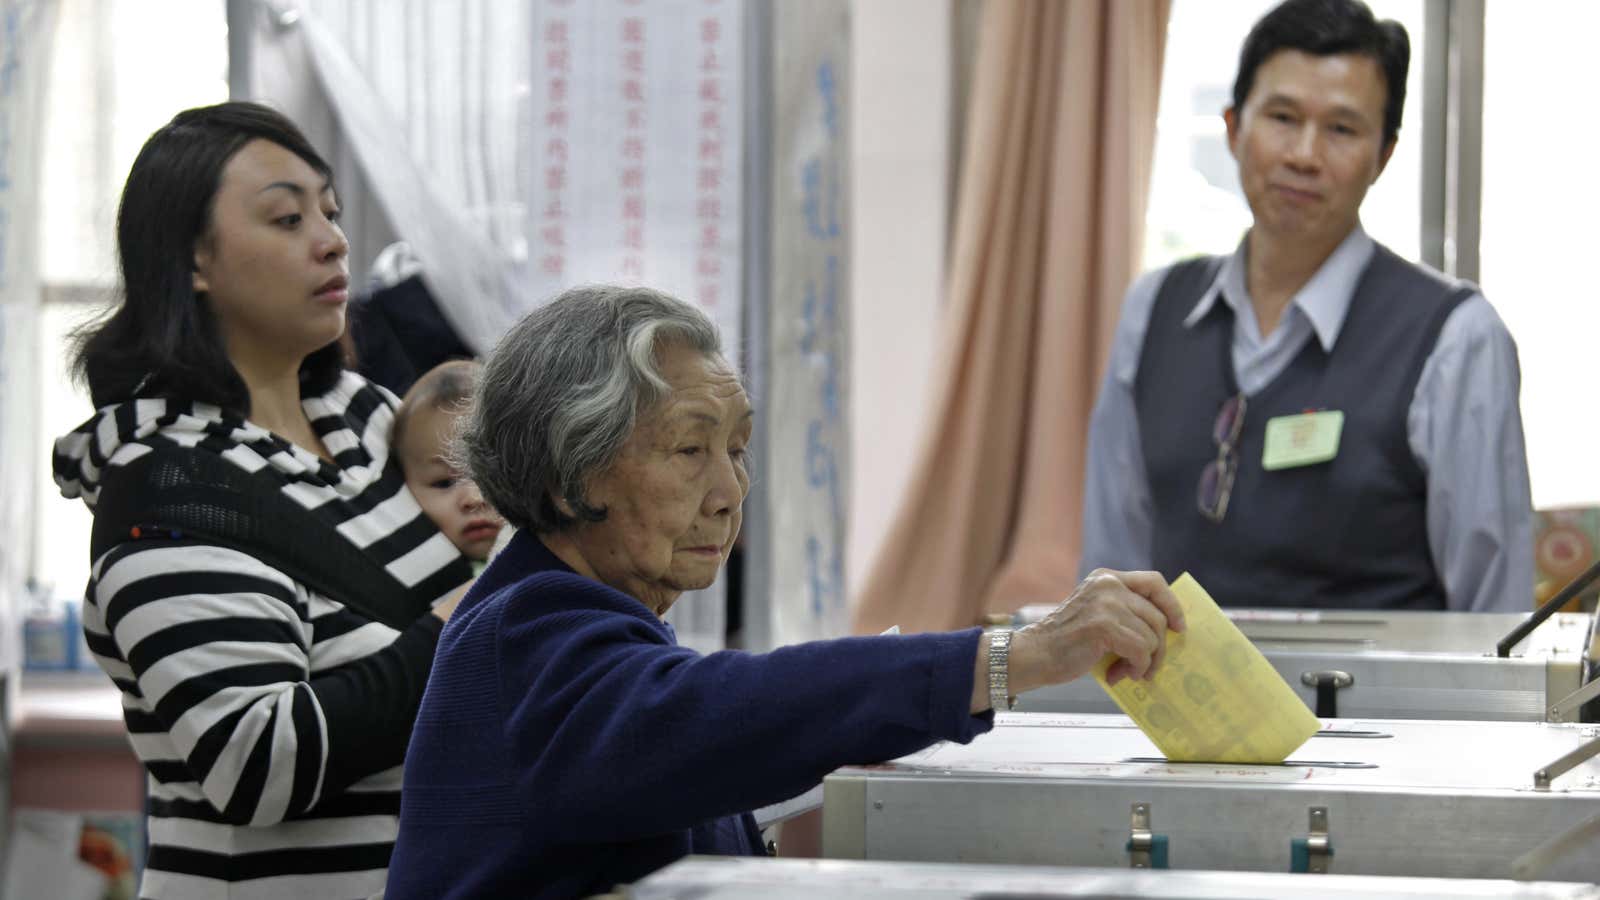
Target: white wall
column 900, row 172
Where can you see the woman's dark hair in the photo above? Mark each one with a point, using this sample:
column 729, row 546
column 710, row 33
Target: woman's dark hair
column 1324, row 28
column 162, row 340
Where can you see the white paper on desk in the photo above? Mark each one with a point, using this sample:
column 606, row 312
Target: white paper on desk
column 44, row 858
column 788, row 809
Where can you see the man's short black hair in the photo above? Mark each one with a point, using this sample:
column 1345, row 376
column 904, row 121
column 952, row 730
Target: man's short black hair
column 1325, row 28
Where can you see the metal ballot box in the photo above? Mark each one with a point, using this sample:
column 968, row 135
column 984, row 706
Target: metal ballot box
column 1434, row 799
column 1391, row 665
column 730, row 877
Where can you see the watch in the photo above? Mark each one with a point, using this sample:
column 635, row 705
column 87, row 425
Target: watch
column 1000, row 696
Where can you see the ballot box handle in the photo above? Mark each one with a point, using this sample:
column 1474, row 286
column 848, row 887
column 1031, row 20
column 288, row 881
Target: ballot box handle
column 1570, row 707
column 1327, row 685
column 1547, row 609
column 1549, row 773
column 1535, row 862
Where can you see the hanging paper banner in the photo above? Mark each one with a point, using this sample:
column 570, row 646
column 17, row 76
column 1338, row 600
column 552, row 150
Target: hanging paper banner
column 636, row 151
column 636, row 115
column 809, row 318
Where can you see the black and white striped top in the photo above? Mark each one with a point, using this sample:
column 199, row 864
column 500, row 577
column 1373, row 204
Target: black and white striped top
column 271, row 719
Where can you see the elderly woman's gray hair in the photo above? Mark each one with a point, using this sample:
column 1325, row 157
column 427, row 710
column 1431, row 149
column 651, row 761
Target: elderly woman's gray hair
column 560, row 394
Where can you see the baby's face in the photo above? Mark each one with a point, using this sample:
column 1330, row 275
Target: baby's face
column 450, row 500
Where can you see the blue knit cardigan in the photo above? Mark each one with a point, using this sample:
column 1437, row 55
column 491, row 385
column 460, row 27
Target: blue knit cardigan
column 567, row 744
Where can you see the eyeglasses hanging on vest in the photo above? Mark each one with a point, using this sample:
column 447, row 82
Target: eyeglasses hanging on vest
column 1216, row 479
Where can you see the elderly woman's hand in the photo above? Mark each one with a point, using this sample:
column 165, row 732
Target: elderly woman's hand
column 1122, row 613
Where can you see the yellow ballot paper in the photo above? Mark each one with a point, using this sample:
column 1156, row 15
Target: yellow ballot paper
column 1215, row 697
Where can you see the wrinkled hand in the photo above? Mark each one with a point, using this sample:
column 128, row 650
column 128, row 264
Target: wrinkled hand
column 452, row 600
column 1122, row 613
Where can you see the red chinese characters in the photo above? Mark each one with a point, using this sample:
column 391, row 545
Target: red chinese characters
column 633, row 149
column 556, row 41
column 711, row 177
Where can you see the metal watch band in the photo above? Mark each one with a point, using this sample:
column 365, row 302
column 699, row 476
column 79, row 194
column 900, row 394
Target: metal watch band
column 1000, row 697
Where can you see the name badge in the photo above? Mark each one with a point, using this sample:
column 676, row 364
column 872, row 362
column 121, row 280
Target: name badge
column 1302, row 440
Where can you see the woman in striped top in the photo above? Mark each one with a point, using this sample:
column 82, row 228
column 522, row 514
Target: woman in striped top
column 265, row 591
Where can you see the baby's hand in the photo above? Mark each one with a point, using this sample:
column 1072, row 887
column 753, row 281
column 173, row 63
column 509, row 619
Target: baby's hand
column 448, row 605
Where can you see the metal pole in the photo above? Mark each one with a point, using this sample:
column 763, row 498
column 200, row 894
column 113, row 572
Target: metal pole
column 241, row 32
column 756, row 595
column 1435, row 113
column 1466, row 52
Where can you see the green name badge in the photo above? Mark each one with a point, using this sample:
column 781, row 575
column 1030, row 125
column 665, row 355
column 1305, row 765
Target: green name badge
column 1302, row 440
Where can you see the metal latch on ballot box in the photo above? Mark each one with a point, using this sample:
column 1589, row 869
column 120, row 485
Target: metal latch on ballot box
column 1312, row 852
column 1145, row 849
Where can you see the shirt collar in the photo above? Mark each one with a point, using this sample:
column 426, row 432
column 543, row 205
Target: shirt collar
column 1324, row 300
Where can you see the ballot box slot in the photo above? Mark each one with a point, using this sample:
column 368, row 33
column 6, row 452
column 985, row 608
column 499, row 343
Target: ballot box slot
column 1357, row 734
column 1269, row 640
column 1286, row 764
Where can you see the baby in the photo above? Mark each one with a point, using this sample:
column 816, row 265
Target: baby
column 422, row 429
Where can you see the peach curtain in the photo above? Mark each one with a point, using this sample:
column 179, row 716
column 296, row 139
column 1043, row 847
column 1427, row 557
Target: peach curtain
column 1048, row 231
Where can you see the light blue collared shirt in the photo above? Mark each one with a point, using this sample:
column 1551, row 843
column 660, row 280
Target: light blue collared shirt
column 1464, row 427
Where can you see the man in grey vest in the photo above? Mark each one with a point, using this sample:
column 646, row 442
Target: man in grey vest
column 1312, row 421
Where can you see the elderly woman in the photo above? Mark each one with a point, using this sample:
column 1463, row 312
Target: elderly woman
column 565, row 742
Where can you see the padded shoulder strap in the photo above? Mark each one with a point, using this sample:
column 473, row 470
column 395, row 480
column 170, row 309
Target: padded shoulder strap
column 176, row 492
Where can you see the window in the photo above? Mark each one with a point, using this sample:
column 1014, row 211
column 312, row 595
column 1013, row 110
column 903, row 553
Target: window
column 1539, row 208
column 1195, row 202
column 119, row 70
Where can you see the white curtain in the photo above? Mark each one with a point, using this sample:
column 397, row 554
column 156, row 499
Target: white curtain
column 424, row 98
column 524, row 146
